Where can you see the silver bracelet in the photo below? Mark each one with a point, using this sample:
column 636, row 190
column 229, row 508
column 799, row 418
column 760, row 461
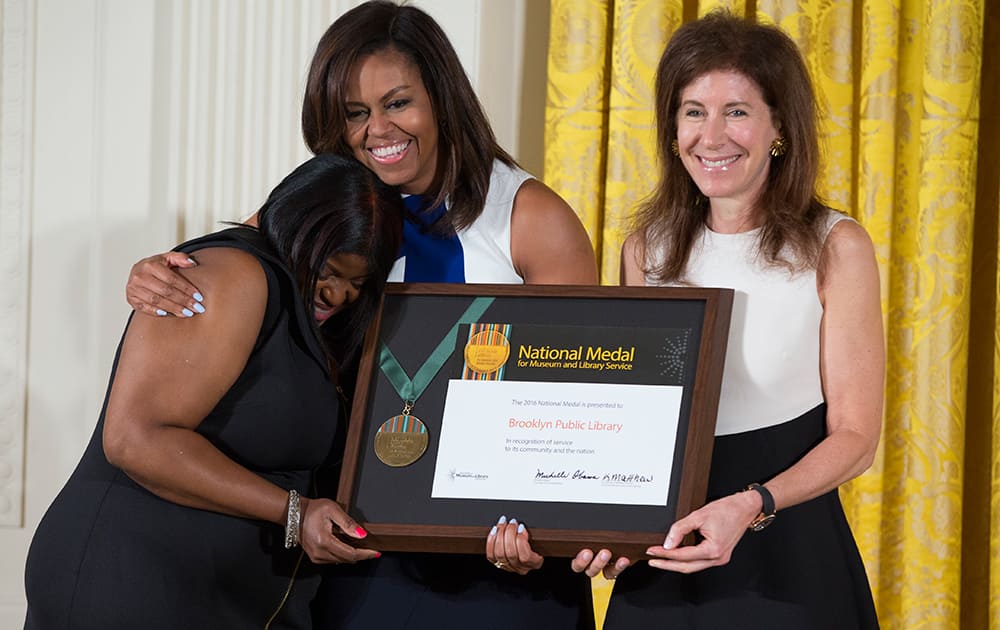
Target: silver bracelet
column 292, row 521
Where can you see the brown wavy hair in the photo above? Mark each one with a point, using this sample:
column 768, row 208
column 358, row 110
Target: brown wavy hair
column 792, row 212
column 467, row 145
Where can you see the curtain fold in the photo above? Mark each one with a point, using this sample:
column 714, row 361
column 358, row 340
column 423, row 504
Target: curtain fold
column 899, row 88
column 576, row 107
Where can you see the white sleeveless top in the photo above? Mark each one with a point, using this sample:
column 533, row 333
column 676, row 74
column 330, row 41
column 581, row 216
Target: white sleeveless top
column 485, row 245
column 771, row 373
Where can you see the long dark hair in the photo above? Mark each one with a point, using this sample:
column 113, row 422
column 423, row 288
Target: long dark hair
column 467, row 145
column 791, row 210
column 333, row 205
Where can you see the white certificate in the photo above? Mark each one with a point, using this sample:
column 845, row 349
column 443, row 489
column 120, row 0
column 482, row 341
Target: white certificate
column 570, row 442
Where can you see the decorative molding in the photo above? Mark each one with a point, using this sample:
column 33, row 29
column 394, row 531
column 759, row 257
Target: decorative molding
column 234, row 73
column 16, row 102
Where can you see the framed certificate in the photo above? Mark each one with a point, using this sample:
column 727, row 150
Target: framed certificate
column 588, row 413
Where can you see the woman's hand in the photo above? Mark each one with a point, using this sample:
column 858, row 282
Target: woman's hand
column 320, row 519
column 508, row 547
column 586, row 562
column 721, row 525
column 154, row 288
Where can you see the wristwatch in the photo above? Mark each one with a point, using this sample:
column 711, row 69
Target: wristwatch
column 766, row 515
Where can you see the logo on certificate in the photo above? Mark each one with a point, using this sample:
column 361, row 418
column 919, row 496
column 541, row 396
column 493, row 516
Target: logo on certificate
column 487, row 351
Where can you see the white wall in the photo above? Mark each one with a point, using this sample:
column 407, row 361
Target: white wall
column 125, row 126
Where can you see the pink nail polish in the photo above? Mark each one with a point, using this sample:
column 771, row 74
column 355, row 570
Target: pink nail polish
column 378, row 554
column 360, row 531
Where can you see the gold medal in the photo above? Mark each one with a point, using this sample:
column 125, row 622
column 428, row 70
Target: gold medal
column 401, row 440
column 487, row 351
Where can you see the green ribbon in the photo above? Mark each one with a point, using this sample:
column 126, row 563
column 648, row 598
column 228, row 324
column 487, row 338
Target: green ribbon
column 411, row 389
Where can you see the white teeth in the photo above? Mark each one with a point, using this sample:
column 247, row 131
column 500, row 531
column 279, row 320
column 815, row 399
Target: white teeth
column 389, row 151
column 718, row 163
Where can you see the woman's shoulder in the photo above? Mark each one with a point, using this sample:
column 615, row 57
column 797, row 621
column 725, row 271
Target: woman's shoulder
column 840, row 229
column 829, row 218
column 236, row 294
column 237, row 250
column 228, row 272
column 549, row 244
column 847, row 247
column 506, row 180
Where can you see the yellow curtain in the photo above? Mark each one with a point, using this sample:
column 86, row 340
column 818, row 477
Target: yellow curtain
column 900, row 85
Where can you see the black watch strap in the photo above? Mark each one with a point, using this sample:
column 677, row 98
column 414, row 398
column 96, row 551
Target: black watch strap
column 767, row 511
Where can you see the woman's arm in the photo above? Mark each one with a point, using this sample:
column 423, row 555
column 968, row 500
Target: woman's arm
column 547, row 241
column 852, row 368
column 155, row 287
column 630, row 269
column 171, row 374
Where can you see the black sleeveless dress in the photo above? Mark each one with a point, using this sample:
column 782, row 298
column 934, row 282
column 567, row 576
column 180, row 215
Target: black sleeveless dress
column 109, row 554
column 803, row 571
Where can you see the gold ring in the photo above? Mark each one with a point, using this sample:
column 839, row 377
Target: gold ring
column 499, row 564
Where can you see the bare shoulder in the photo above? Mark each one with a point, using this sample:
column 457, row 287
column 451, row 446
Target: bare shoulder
column 847, row 237
column 536, row 205
column 847, row 249
column 228, row 270
column 180, row 367
column 235, row 289
column 847, row 262
column 631, row 269
column 549, row 244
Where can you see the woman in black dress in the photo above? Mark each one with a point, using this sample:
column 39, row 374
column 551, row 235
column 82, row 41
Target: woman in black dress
column 191, row 498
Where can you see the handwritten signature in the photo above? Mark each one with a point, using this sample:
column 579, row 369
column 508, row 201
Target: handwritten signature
column 627, row 478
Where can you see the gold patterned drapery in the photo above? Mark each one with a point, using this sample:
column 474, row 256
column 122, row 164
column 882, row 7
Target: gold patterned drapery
column 909, row 153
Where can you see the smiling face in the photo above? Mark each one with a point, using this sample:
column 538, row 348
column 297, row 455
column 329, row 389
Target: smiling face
column 724, row 134
column 338, row 285
column 390, row 121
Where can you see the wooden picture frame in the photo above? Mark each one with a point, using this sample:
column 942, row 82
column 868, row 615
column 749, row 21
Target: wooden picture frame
column 394, row 503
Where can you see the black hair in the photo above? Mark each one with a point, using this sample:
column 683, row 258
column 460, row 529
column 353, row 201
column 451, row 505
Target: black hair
column 333, row 205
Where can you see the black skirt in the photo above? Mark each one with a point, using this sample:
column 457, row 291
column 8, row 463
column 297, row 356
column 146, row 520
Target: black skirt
column 418, row 591
column 803, row 571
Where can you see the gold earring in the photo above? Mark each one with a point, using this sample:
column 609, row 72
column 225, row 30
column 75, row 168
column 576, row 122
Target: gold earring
column 675, row 148
column 778, row 147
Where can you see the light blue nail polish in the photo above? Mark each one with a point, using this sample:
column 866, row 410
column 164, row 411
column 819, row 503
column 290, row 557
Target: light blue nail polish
column 161, row 312
column 198, row 297
column 520, row 528
column 513, row 521
column 493, row 532
column 187, row 313
column 503, row 519
column 198, row 307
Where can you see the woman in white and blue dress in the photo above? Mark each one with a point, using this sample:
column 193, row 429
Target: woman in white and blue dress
column 387, row 88
column 801, row 403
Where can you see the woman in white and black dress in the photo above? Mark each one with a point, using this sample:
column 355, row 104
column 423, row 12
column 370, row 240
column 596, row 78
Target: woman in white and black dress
column 802, row 391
